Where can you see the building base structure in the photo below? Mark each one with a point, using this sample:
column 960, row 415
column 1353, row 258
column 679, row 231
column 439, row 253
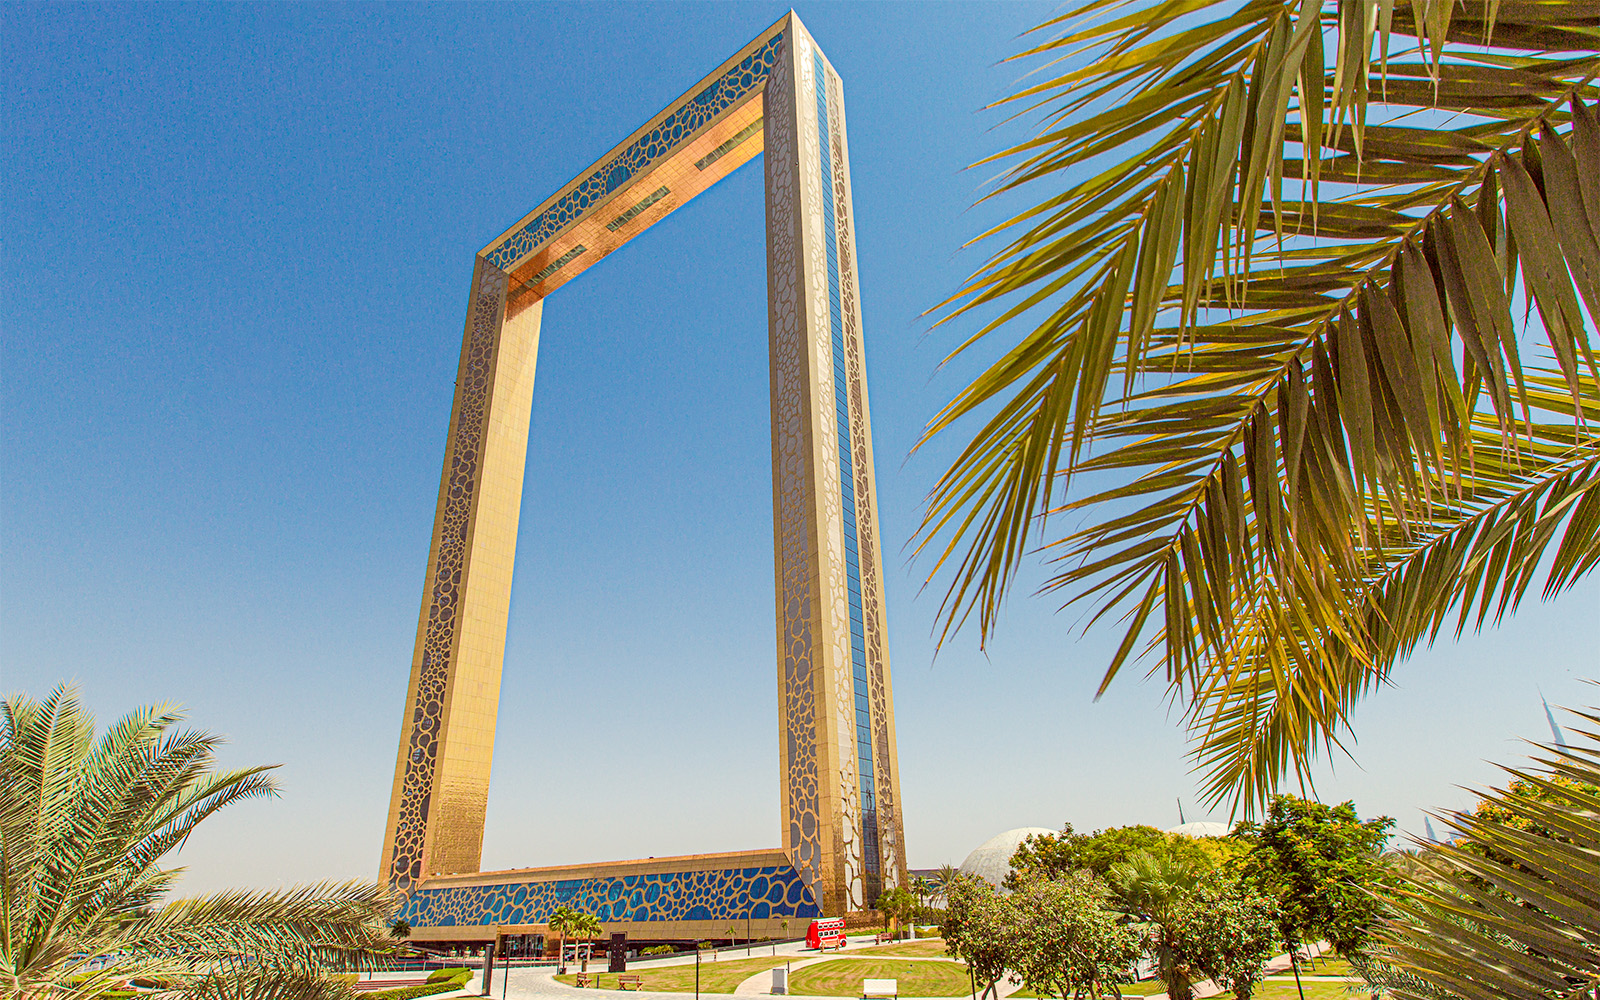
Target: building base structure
column 842, row 842
column 698, row 897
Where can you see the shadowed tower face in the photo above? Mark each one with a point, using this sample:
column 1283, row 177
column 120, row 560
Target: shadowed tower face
column 838, row 773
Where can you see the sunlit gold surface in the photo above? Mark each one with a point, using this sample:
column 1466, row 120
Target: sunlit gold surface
column 678, row 175
column 821, row 775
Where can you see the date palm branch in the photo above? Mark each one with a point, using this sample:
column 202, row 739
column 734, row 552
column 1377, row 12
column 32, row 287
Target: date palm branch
column 1513, row 908
column 84, row 823
column 1305, row 292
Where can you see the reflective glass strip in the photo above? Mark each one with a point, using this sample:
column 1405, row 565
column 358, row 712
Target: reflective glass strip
column 847, row 489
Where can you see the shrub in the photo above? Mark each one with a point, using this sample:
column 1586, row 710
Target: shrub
column 660, row 949
column 432, row 986
column 445, row 975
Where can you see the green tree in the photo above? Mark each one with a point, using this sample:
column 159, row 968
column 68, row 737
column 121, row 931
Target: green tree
column 1067, row 942
column 84, row 824
column 1156, row 890
column 1227, row 930
column 563, row 923
column 1265, row 287
column 922, row 889
column 1324, row 866
column 586, row 926
column 1055, row 855
column 943, row 877
column 897, row 905
column 978, row 929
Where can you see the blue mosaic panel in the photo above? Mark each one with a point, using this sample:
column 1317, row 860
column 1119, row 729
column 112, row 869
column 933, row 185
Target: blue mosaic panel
column 715, row 98
column 725, row 894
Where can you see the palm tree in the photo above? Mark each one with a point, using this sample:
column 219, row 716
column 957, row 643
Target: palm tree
column 563, row 922
column 945, row 874
column 586, row 926
column 84, row 823
column 1154, row 889
column 1266, row 286
column 920, row 886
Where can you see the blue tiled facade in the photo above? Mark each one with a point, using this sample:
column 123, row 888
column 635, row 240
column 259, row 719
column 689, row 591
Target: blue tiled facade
column 749, row 75
column 721, row 894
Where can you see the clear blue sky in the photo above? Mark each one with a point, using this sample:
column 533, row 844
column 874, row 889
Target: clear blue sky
column 233, row 264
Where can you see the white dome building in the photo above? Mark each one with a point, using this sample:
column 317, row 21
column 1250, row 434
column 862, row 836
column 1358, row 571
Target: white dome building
column 1201, row 829
column 991, row 861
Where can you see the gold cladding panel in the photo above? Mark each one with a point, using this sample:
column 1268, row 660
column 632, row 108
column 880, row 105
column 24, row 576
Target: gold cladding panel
column 677, row 173
column 467, row 753
column 820, row 784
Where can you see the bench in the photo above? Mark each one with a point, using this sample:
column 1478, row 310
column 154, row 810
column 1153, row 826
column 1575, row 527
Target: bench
column 877, row 988
column 369, row 985
column 588, row 979
column 630, row 982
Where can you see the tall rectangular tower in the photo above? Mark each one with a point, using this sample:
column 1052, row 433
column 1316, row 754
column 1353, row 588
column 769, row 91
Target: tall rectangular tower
column 838, row 772
column 841, row 783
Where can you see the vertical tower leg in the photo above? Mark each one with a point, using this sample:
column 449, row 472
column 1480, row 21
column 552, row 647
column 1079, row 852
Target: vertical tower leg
column 839, row 771
column 441, row 780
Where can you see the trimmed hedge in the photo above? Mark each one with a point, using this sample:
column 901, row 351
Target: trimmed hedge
column 425, row 990
column 442, row 975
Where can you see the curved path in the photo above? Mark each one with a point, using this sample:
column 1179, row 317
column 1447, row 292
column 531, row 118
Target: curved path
column 540, row 983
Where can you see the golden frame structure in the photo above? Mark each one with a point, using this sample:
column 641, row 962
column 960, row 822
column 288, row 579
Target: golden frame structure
column 841, row 831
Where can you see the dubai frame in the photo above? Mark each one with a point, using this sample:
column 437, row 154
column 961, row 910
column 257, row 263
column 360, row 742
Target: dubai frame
column 842, row 838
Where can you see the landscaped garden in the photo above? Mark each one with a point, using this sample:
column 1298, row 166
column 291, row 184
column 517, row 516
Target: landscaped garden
column 925, row 948
column 1315, row 989
column 841, row 977
column 715, row 976
column 1143, row 988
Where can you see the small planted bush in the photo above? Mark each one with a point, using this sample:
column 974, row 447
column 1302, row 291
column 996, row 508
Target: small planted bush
column 424, row 990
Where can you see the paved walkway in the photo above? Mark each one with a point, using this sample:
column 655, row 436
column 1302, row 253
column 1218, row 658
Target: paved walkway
column 540, row 983
column 760, row 984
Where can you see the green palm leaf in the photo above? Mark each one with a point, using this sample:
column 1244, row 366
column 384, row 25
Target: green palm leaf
column 83, row 825
column 1278, row 314
column 1512, row 910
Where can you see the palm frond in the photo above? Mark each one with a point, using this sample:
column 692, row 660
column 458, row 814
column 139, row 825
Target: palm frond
column 1510, row 911
column 83, row 827
column 257, row 985
column 1281, row 320
column 324, row 926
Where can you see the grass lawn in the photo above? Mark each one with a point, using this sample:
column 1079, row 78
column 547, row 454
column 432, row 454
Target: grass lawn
column 1331, row 966
column 924, row 948
column 715, row 977
column 1279, row 989
column 841, row 977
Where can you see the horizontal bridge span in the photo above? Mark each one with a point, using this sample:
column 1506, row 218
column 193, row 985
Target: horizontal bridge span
column 697, row 140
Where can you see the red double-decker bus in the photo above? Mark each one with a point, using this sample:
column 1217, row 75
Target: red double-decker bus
column 827, row 933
